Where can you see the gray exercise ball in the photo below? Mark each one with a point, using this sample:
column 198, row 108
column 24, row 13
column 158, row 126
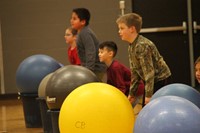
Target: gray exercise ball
column 64, row 81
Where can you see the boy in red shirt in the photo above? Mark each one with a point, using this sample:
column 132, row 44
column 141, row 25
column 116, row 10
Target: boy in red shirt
column 118, row 74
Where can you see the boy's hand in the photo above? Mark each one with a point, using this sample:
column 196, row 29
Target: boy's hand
column 147, row 100
column 131, row 99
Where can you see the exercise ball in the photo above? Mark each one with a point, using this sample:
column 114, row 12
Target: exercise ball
column 96, row 108
column 32, row 70
column 65, row 80
column 61, row 65
column 181, row 90
column 42, row 86
column 168, row 114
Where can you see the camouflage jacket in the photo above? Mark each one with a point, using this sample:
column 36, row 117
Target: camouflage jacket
column 147, row 64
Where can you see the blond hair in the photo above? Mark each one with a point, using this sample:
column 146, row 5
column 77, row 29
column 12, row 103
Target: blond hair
column 131, row 19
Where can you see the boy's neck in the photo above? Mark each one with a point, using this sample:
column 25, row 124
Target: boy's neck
column 81, row 28
column 133, row 37
column 108, row 63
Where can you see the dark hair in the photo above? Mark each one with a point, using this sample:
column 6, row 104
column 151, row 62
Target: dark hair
column 110, row 45
column 83, row 14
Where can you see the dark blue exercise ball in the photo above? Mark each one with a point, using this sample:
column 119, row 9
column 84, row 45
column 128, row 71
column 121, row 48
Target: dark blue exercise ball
column 181, row 90
column 168, row 114
column 32, row 70
column 61, row 65
column 64, row 81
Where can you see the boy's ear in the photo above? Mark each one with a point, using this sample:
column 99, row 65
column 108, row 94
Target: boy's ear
column 132, row 28
column 83, row 22
column 111, row 53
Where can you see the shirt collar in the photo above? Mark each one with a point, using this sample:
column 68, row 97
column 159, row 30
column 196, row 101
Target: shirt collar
column 135, row 41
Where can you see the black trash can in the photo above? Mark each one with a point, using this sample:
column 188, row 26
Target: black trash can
column 46, row 117
column 54, row 118
column 31, row 110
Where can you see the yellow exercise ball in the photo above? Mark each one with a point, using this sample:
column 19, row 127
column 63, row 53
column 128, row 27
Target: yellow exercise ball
column 96, row 108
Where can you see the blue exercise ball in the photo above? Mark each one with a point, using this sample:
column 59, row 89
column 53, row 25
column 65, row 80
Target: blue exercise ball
column 32, row 70
column 181, row 90
column 64, row 81
column 168, row 114
column 61, row 65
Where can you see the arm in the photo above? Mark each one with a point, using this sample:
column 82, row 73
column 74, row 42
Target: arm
column 147, row 67
column 135, row 79
column 148, row 72
column 76, row 58
column 117, row 79
column 90, row 49
column 141, row 68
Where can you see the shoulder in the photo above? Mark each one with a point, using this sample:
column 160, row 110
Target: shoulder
column 118, row 65
column 143, row 45
column 143, row 42
column 85, row 29
column 86, row 32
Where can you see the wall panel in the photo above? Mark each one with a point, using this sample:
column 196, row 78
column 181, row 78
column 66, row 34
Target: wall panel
column 37, row 27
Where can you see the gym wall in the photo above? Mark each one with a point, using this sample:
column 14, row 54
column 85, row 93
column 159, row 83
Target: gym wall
column 31, row 27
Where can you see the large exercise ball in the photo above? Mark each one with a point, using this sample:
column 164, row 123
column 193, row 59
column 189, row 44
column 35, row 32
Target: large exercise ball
column 32, row 70
column 168, row 114
column 42, row 86
column 96, row 108
column 181, row 90
column 45, row 115
column 64, row 81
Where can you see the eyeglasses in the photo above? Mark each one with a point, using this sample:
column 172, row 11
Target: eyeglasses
column 68, row 34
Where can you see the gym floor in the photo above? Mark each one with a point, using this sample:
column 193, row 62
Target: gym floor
column 12, row 116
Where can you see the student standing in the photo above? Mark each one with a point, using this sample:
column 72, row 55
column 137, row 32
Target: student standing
column 70, row 39
column 87, row 42
column 146, row 63
column 117, row 74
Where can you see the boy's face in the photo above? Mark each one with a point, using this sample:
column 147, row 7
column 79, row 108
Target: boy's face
column 76, row 23
column 197, row 72
column 105, row 55
column 125, row 32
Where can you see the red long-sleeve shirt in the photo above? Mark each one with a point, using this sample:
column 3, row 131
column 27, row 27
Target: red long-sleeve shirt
column 73, row 56
column 119, row 76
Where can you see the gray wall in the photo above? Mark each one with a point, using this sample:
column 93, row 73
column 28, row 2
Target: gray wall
column 37, row 27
